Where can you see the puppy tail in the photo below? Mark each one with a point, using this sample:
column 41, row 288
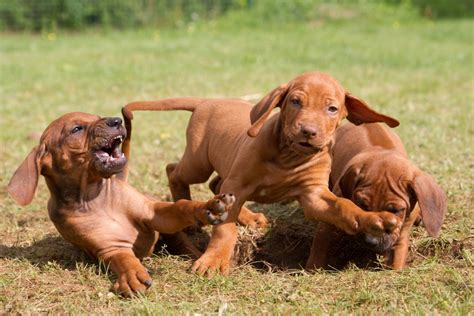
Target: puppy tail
column 186, row 104
column 127, row 119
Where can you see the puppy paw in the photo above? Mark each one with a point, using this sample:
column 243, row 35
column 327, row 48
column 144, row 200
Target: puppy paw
column 217, row 209
column 132, row 282
column 211, row 265
column 377, row 224
column 253, row 220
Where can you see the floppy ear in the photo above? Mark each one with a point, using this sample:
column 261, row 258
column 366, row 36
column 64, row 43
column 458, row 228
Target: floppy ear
column 22, row 186
column 359, row 112
column 262, row 110
column 347, row 182
column 432, row 201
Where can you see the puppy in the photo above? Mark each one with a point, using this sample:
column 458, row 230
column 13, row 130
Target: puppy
column 91, row 204
column 371, row 168
column 270, row 158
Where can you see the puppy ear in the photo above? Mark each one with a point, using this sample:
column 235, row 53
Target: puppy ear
column 359, row 112
column 347, row 182
column 262, row 110
column 22, row 186
column 432, row 201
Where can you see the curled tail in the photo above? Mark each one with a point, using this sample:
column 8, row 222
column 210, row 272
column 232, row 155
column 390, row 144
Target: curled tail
column 187, row 104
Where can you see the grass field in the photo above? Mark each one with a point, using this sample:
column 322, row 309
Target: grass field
column 416, row 70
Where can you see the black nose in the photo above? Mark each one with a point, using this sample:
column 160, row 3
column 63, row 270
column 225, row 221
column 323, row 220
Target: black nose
column 113, row 121
column 308, row 131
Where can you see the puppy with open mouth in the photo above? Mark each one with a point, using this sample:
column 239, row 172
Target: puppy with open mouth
column 91, row 203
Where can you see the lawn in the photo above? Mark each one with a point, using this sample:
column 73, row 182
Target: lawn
column 419, row 71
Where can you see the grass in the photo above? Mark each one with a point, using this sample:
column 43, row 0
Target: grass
column 416, row 70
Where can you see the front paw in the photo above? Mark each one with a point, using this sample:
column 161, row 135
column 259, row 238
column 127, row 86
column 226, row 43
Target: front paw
column 376, row 224
column 253, row 220
column 211, row 264
column 217, row 209
column 133, row 281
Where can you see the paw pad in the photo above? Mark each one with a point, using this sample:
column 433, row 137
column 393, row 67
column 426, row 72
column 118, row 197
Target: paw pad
column 218, row 209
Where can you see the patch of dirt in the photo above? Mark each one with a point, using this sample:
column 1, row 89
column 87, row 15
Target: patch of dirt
column 443, row 248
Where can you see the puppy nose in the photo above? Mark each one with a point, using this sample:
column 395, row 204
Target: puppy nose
column 113, row 121
column 308, row 131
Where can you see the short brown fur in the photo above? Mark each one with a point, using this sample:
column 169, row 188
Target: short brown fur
column 371, row 168
column 92, row 205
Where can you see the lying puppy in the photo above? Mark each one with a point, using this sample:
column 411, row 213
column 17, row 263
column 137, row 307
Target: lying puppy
column 91, row 204
column 371, row 168
column 270, row 158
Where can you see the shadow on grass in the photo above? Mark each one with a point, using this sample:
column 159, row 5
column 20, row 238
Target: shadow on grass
column 285, row 246
column 50, row 249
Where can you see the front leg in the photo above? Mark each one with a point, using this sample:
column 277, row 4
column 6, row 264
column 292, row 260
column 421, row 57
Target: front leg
column 325, row 237
column 169, row 217
column 322, row 205
column 132, row 277
column 217, row 257
column 399, row 253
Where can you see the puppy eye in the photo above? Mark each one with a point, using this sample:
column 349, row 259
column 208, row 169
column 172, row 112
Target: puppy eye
column 392, row 208
column 296, row 103
column 77, row 129
column 332, row 109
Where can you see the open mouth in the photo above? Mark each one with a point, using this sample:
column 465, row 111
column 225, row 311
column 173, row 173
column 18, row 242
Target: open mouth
column 305, row 146
column 111, row 151
column 110, row 158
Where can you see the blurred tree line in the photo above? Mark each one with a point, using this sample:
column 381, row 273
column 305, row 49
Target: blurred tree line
column 40, row 15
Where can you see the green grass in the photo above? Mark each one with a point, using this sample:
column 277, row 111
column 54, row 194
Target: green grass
column 418, row 71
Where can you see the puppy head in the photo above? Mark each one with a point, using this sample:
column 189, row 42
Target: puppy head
column 312, row 106
column 74, row 145
column 392, row 183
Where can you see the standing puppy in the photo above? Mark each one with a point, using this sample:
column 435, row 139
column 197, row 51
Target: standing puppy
column 371, row 168
column 270, row 158
column 91, row 204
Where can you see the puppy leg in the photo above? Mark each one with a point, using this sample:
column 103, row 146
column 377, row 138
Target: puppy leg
column 172, row 217
column 324, row 238
column 399, row 254
column 179, row 189
column 323, row 205
column 132, row 277
column 219, row 251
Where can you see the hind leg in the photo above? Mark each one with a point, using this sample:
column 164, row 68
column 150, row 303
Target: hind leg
column 180, row 243
column 246, row 216
column 179, row 189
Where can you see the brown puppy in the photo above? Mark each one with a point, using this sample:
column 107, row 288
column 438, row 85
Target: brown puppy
column 371, row 168
column 91, row 204
column 270, row 158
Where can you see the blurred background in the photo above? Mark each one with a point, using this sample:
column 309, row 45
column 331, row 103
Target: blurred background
column 50, row 15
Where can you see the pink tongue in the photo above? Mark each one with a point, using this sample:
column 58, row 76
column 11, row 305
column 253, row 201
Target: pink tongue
column 116, row 153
